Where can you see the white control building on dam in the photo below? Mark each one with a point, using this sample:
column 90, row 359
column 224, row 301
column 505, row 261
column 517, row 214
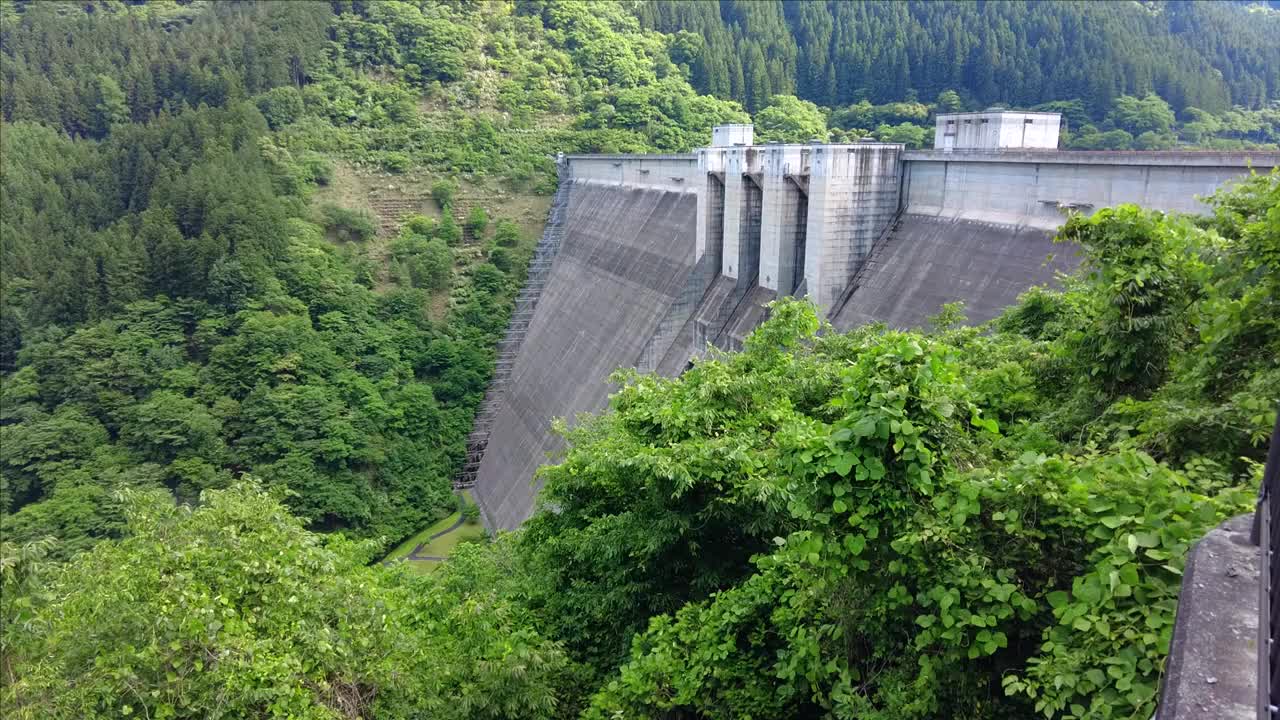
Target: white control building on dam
column 647, row 259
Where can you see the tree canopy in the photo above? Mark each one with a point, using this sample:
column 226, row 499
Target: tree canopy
column 234, row 610
column 789, row 119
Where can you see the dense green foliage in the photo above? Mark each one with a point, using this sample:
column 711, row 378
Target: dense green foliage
column 246, row 614
column 1203, row 54
column 186, row 328
column 954, row 523
column 961, row 523
column 175, row 314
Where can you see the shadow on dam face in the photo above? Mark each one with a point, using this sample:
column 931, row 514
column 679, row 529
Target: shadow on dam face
column 926, row 262
column 626, row 256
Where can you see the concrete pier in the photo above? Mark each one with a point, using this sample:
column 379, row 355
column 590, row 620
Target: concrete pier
column 785, row 217
column 742, row 213
column 853, row 195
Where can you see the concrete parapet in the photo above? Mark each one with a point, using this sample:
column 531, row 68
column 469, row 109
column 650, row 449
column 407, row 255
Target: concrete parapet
column 1242, row 159
column 676, row 173
column 1212, row 669
column 1037, row 188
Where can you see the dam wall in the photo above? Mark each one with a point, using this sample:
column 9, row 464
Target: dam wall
column 625, row 259
column 926, row 261
column 676, row 173
column 1035, row 187
column 661, row 256
column 978, row 226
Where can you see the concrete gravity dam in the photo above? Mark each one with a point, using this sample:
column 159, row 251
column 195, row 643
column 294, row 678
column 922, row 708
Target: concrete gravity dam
column 648, row 259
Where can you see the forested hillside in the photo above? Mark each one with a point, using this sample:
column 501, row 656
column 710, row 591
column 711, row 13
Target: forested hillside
column 255, row 258
column 1206, row 55
column 194, row 287
column 885, row 66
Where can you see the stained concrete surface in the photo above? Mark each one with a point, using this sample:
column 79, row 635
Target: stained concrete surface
column 626, row 257
column 714, row 310
column 1212, row 670
column 672, row 342
column 926, row 262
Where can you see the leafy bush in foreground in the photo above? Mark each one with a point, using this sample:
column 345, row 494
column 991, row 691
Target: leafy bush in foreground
column 234, row 610
column 901, row 525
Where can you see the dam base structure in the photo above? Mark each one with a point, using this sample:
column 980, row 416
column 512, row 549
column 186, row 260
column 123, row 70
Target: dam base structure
column 659, row 256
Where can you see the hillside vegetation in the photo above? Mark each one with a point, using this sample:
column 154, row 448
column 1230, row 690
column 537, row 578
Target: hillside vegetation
column 188, row 299
column 1147, row 75
column 255, row 260
column 960, row 523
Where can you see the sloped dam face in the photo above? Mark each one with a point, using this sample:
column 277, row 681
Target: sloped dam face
column 656, row 259
column 926, row 261
column 625, row 256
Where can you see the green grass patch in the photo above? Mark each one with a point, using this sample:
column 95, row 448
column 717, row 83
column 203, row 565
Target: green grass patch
column 407, row 546
column 441, row 546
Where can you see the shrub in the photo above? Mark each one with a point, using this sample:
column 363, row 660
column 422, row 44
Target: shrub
column 501, row 259
column 506, row 233
column 348, row 225
column 1151, row 140
column 420, row 225
column 489, row 279
column 280, row 106
column 365, row 274
column 477, row 221
column 442, row 191
column 448, row 230
column 396, row 162
column 432, row 267
column 319, row 170
column 471, row 514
